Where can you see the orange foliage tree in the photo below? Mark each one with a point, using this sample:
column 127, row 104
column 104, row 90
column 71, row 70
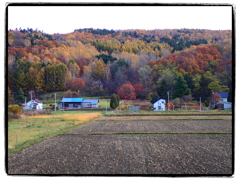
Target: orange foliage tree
column 127, row 91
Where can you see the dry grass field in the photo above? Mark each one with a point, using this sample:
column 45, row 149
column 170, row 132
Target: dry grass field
column 27, row 131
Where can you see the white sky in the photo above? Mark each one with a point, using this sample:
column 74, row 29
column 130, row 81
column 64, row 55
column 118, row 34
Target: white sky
column 64, row 19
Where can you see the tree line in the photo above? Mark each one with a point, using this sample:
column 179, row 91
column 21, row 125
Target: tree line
column 130, row 63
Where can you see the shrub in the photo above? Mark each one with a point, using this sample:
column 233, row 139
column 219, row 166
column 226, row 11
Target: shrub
column 15, row 109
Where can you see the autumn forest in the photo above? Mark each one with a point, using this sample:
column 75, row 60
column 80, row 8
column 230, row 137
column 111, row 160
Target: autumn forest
column 131, row 63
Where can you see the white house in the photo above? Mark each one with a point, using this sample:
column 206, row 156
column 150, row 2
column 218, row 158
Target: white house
column 160, row 105
column 33, row 104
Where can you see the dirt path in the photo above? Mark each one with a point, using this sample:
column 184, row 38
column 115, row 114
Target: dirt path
column 163, row 154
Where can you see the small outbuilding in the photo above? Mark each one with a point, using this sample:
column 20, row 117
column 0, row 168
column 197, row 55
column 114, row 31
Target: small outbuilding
column 222, row 105
column 134, row 108
column 160, row 105
column 90, row 103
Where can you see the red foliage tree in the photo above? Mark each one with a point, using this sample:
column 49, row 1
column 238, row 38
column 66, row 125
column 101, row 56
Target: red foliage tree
column 77, row 84
column 215, row 98
column 139, row 89
column 127, row 91
column 81, row 63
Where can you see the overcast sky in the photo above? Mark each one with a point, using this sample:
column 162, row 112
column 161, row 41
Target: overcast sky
column 64, row 19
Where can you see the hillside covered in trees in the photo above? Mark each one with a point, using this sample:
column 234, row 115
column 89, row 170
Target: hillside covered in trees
column 100, row 62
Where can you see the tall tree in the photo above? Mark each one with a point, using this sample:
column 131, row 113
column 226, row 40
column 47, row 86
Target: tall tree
column 114, row 102
column 19, row 98
column 162, row 89
column 216, row 87
column 181, row 89
column 99, row 71
column 145, row 77
column 127, row 91
column 154, row 97
column 21, row 81
column 40, row 81
column 73, row 68
column 201, row 86
column 189, row 80
column 10, row 97
column 77, row 84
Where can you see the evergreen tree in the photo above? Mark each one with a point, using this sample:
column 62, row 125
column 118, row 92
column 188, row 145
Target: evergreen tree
column 162, row 89
column 154, row 97
column 19, row 99
column 181, row 89
column 189, row 80
column 114, row 102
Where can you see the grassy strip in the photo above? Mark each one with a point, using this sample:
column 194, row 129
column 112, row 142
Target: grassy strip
column 189, row 114
column 229, row 112
column 43, row 136
column 100, row 119
column 23, row 133
column 137, row 133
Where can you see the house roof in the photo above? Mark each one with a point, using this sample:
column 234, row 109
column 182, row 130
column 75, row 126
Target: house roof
column 160, row 100
column 38, row 101
column 92, row 101
column 224, row 102
column 223, row 94
column 72, row 99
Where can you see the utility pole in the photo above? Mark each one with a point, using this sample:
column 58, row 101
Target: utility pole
column 31, row 99
column 55, row 101
column 106, row 105
column 200, row 105
column 168, row 100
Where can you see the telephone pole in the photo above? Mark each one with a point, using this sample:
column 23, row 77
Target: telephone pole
column 200, row 105
column 55, row 101
column 168, row 100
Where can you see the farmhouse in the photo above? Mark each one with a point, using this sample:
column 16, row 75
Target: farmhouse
column 78, row 103
column 160, row 105
column 33, row 104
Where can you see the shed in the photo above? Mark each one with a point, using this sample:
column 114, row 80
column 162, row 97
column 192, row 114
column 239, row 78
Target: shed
column 86, row 103
column 222, row 105
column 160, row 105
column 134, row 108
